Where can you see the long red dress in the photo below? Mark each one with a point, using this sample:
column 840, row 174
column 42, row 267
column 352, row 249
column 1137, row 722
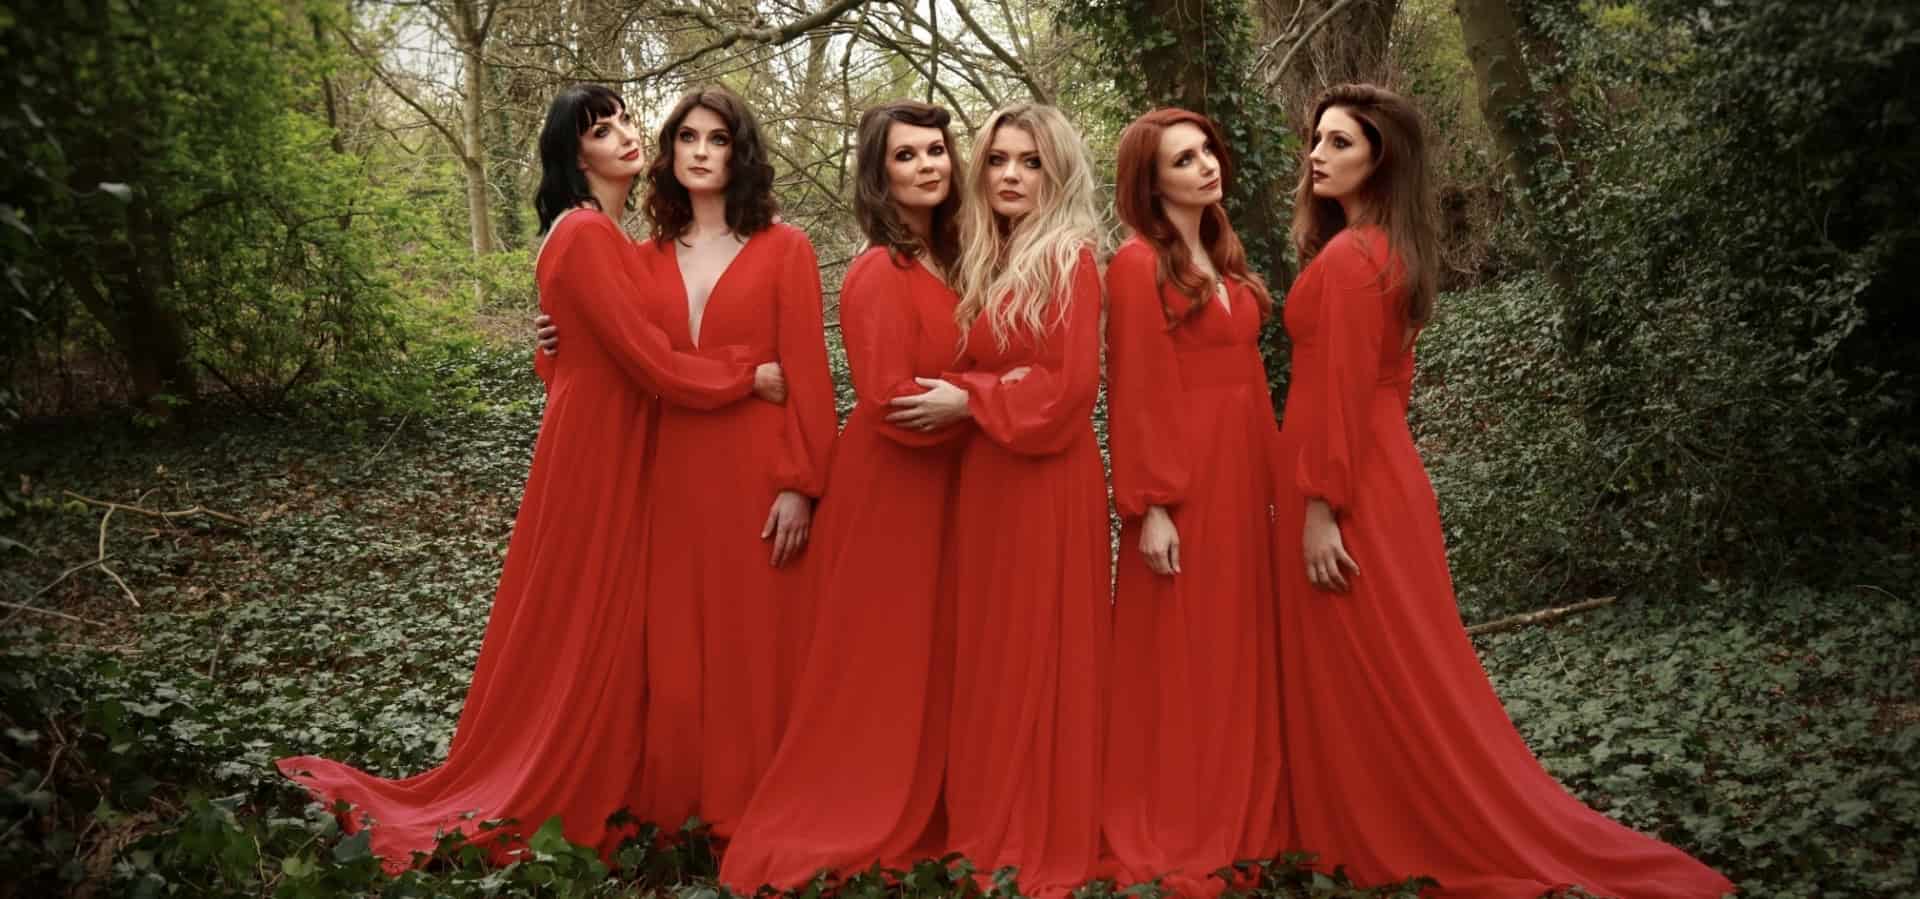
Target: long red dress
column 1193, row 737
column 552, row 721
column 857, row 777
column 1402, row 760
column 1031, row 608
column 726, row 630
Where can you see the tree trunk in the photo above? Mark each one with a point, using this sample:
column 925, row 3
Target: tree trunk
column 1352, row 45
column 1520, row 131
column 473, row 155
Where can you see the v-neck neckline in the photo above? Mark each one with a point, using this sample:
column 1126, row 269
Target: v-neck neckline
column 686, row 295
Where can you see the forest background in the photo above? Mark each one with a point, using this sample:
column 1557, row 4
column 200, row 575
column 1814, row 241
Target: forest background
column 267, row 402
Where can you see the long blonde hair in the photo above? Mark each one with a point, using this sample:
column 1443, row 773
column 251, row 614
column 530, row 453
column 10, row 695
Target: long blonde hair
column 1011, row 271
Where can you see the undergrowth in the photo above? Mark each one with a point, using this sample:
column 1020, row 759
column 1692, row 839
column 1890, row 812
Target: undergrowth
column 1774, row 733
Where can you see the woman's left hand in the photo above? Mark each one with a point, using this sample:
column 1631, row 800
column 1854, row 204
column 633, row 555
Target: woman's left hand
column 942, row 404
column 787, row 523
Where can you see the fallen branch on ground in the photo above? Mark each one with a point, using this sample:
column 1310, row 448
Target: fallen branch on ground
column 156, row 513
column 1540, row 617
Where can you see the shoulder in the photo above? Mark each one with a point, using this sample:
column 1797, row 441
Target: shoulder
column 874, row 265
column 586, row 229
column 1134, row 258
column 583, row 223
column 1358, row 245
column 787, row 237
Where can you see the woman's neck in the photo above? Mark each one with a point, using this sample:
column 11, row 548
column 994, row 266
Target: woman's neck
column 1186, row 225
column 709, row 214
column 919, row 221
column 611, row 194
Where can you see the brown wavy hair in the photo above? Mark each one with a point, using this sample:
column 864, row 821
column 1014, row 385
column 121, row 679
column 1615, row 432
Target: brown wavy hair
column 751, row 206
column 1398, row 194
column 873, row 203
column 1138, row 204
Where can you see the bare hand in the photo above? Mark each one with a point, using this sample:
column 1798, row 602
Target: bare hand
column 547, row 334
column 942, row 404
column 1015, row 374
column 1328, row 564
column 787, row 523
column 770, row 383
column 1160, row 541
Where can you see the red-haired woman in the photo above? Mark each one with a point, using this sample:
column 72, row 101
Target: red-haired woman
column 728, row 619
column 1193, row 737
column 858, row 775
column 1401, row 759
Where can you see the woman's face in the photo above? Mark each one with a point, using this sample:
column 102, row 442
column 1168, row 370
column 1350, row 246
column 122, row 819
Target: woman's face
column 702, row 147
column 1186, row 172
column 611, row 147
column 1013, row 172
column 1342, row 157
column 919, row 169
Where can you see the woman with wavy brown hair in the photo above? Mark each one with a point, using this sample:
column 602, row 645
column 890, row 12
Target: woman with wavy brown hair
column 728, row 619
column 1401, row 759
column 857, row 777
column 1193, row 754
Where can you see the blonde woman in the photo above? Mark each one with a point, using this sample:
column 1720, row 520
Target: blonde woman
column 1030, row 515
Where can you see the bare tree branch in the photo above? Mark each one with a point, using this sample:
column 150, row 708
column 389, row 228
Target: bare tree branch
column 728, row 37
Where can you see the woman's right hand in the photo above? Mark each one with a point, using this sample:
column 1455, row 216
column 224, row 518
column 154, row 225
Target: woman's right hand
column 1160, row 541
column 770, row 382
column 547, row 334
column 1328, row 565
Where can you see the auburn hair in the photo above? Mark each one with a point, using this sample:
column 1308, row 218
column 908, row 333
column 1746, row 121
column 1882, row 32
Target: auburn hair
column 1137, row 201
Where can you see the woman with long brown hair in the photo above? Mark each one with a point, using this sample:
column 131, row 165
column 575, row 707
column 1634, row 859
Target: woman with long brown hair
column 728, row 619
column 1193, row 754
column 1030, row 514
column 1401, row 759
column 857, row 777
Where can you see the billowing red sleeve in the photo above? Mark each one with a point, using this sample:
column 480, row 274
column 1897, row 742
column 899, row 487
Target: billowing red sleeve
column 592, row 289
column 811, row 421
column 1046, row 411
column 880, row 323
column 543, row 366
column 1145, row 415
column 1353, row 313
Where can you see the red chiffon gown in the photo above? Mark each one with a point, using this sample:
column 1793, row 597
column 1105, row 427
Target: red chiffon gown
column 1031, row 608
column 726, row 630
column 1402, row 760
column 857, row 777
column 552, row 720
column 1193, row 737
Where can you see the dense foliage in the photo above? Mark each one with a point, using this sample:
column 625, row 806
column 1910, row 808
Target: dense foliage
column 1778, row 735
column 1726, row 389
column 180, row 212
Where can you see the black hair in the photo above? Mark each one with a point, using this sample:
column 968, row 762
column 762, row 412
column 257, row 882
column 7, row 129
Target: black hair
column 563, row 185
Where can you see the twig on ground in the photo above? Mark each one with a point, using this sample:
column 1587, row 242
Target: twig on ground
column 156, row 513
column 17, row 607
column 1544, row 615
column 383, row 447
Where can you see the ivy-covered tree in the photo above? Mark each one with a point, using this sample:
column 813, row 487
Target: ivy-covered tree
column 177, row 199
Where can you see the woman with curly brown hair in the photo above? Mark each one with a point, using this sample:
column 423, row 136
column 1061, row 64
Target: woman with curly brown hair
column 1401, row 759
column 728, row 618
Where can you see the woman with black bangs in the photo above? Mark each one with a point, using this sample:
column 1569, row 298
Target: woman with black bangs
column 728, row 618
column 553, row 718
